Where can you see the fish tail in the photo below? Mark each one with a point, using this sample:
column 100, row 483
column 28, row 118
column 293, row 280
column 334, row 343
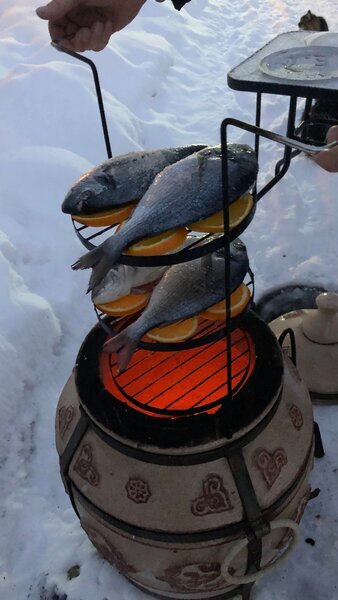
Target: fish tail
column 90, row 259
column 100, row 260
column 124, row 345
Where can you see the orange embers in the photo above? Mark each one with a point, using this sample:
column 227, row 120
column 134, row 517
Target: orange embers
column 181, row 380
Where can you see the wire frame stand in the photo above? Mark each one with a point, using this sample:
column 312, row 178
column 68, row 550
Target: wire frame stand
column 258, row 525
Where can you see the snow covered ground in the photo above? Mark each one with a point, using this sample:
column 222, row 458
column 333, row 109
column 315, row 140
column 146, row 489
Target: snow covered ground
column 164, row 82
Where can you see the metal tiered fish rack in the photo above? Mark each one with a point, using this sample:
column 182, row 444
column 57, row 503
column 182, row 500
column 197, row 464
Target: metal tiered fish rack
column 178, row 407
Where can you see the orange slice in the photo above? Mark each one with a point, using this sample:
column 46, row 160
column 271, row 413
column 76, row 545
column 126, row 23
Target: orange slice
column 127, row 305
column 105, row 218
column 239, row 300
column 159, row 244
column 238, row 210
column 176, row 332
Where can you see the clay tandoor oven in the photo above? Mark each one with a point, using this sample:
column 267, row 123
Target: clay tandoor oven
column 183, row 488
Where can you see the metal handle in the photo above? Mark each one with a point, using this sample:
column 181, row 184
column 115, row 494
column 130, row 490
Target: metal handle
column 292, row 337
column 97, row 89
column 281, row 139
column 238, row 546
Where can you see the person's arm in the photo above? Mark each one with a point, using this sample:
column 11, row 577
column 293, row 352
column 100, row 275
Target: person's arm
column 81, row 25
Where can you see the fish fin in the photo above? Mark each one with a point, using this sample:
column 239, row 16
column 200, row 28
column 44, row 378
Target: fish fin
column 90, row 259
column 98, row 273
column 124, row 346
column 144, row 288
column 98, row 261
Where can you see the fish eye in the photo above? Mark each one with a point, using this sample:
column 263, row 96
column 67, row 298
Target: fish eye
column 85, row 195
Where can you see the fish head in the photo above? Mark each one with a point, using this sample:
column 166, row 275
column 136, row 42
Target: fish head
column 113, row 286
column 89, row 195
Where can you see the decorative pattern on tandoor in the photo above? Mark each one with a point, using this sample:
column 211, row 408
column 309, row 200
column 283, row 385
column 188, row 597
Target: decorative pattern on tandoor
column 194, row 577
column 108, row 551
column 270, row 464
column 214, row 498
column 296, row 417
column 66, row 414
column 85, row 466
column 138, row 490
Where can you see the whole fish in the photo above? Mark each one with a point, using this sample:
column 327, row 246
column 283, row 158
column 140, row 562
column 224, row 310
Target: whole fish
column 184, row 290
column 121, row 179
column 185, row 192
column 122, row 280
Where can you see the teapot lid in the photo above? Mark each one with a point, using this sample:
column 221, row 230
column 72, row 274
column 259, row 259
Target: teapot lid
column 321, row 326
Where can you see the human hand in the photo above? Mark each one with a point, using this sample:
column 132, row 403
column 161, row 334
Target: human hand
column 81, row 25
column 328, row 159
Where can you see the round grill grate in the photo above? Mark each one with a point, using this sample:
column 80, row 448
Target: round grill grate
column 180, row 383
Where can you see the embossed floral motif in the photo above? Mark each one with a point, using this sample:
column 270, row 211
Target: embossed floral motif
column 66, row 414
column 270, row 465
column 194, row 577
column 296, row 417
column 108, row 551
column 214, row 499
column 138, row 491
column 85, row 466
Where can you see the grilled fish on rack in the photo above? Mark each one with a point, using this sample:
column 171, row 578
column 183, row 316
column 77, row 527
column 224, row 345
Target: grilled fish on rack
column 183, row 193
column 121, row 180
column 122, row 280
column 184, row 290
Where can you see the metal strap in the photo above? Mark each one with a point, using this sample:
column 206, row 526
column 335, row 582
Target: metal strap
column 259, row 527
column 68, row 453
column 319, row 448
column 224, row 532
column 184, row 459
column 292, row 337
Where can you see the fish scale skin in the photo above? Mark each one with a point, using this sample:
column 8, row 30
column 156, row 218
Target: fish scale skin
column 183, row 193
column 121, row 180
column 122, row 280
column 185, row 290
column 188, row 288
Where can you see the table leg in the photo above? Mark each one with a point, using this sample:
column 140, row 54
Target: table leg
column 305, row 117
column 258, row 120
column 283, row 165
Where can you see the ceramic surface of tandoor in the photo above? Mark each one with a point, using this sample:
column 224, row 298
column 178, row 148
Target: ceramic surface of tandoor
column 187, row 499
column 184, row 571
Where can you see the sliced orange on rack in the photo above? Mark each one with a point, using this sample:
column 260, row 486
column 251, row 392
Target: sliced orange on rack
column 238, row 211
column 159, row 244
column 105, row 218
column 239, row 300
column 176, row 332
column 128, row 305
